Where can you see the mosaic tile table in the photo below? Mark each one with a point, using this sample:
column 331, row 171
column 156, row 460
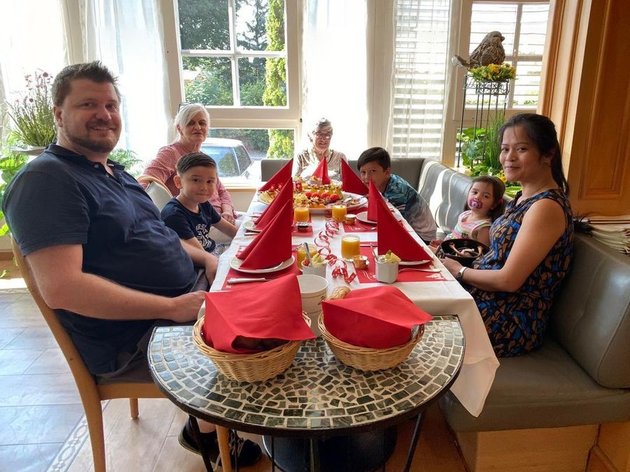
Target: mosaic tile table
column 317, row 397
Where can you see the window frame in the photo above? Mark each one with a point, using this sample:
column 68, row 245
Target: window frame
column 255, row 117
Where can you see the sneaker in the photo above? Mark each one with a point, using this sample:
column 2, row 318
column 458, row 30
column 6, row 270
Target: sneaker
column 247, row 452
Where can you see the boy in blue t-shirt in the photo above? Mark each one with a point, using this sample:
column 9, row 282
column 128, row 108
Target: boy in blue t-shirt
column 375, row 165
column 189, row 213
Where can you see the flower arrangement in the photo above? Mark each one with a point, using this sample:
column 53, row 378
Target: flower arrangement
column 32, row 114
column 493, row 73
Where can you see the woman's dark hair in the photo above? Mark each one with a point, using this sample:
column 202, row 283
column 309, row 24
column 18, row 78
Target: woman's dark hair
column 498, row 189
column 542, row 133
column 194, row 159
column 375, row 154
column 94, row 71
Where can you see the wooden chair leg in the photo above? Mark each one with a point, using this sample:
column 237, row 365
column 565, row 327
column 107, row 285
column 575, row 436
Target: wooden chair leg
column 223, row 438
column 94, row 417
column 133, row 408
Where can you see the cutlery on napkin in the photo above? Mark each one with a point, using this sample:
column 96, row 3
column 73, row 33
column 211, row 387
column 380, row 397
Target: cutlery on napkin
column 245, row 280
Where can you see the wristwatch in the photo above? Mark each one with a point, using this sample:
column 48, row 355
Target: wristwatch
column 460, row 273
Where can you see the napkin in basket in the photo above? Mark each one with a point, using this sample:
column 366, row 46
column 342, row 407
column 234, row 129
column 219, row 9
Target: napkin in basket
column 272, row 246
column 391, row 235
column 285, row 194
column 279, row 177
column 321, row 172
column 378, row 318
column 270, row 311
column 373, row 199
column 350, row 182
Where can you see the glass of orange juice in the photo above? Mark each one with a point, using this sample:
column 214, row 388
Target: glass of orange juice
column 339, row 212
column 301, row 214
column 301, row 253
column 350, row 247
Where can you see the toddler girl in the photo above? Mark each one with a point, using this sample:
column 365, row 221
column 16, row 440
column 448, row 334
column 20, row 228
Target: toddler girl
column 485, row 203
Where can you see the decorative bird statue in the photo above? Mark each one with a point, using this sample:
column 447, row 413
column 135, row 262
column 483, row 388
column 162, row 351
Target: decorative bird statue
column 489, row 51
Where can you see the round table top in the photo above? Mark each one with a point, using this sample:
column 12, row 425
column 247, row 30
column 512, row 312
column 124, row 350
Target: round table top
column 317, row 394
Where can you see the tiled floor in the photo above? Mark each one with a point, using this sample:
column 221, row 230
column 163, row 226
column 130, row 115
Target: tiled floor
column 39, row 403
column 41, row 417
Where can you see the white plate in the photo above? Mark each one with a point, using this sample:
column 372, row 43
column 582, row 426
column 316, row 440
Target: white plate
column 250, row 225
column 362, row 217
column 235, row 264
column 361, row 200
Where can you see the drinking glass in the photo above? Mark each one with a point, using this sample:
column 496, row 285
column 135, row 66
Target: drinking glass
column 339, row 212
column 350, row 246
column 301, row 214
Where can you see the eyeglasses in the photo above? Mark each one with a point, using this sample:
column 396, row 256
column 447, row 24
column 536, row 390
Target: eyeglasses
column 323, row 135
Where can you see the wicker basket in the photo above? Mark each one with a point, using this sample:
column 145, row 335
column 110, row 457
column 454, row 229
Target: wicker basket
column 255, row 367
column 369, row 359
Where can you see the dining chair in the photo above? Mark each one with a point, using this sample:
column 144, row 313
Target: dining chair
column 158, row 192
column 91, row 393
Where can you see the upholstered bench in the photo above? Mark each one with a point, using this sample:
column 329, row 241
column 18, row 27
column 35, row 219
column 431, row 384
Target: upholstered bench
column 554, row 406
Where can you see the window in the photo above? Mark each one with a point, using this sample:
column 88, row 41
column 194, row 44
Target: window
column 524, row 26
column 420, row 67
column 239, row 58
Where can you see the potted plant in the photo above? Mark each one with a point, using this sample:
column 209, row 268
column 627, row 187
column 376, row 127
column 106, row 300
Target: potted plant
column 31, row 114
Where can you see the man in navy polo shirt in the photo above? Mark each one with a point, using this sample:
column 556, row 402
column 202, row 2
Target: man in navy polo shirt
column 100, row 254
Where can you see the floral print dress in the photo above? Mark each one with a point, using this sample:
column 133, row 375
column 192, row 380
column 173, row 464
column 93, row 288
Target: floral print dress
column 516, row 322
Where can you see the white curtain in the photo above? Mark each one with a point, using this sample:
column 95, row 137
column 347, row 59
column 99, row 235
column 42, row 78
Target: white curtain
column 334, row 71
column 126, row 35
column 30, row 40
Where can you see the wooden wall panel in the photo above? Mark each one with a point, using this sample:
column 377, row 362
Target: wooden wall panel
column 587, row 94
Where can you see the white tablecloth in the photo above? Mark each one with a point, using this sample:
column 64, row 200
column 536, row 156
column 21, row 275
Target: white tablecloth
column 435, row 297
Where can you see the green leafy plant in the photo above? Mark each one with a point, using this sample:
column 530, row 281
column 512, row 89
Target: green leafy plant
column 32, row 114
column 480, row 151
column 129, row 159
column 10, row 164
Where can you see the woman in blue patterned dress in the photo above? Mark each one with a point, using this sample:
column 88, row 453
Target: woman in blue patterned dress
column 531, row 244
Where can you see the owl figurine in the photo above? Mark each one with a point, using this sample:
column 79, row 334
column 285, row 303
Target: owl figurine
column 489, row 51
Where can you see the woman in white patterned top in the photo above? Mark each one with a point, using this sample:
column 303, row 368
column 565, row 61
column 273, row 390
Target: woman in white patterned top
column 308, row 160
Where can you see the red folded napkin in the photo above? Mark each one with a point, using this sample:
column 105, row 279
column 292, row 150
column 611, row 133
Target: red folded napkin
column 321, row 172
column 392, row 236
column 373, row 198
column 350, row 182
column 279, row 177
column 270, row 311
column 378, row 318
column 272, row 246
column 285, row 194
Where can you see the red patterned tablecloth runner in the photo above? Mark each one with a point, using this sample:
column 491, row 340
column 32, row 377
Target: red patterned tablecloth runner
column 368, row 275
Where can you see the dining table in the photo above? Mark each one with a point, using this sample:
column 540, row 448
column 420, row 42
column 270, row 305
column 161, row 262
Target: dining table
column 320, row 414
column 436, row 292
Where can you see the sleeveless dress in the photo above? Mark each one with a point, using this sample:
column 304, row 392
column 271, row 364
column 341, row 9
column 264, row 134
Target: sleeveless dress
column 516, row 322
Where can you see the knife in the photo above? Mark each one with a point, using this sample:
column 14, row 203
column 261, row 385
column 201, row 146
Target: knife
column 245, row 280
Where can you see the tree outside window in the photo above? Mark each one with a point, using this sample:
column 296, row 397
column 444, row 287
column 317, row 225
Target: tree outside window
column 234, row 55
